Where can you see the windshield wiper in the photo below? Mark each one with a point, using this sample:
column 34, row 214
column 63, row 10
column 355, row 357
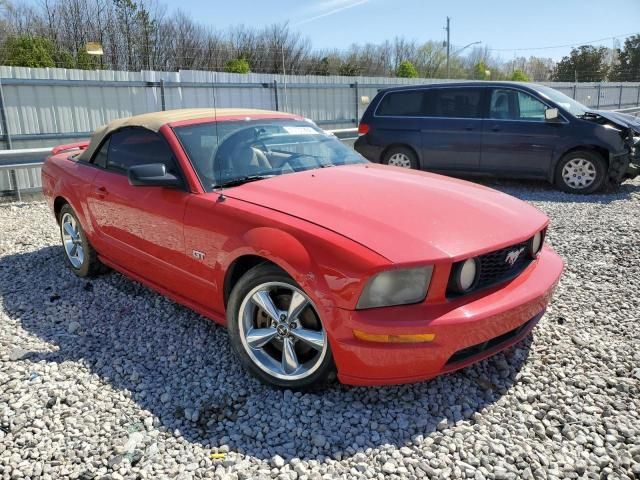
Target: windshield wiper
column 589, row 114
column 241, row 180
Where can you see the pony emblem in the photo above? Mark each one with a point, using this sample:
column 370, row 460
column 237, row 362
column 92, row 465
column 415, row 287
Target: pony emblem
column 513, row 256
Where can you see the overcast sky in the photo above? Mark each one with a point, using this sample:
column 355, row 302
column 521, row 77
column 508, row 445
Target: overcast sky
column 503, row 25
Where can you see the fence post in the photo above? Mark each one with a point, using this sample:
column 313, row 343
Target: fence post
column 275, row 93
column 162, row 100
column 620, row 97
column 3, row 118
column 355, row 86
column 638, row 99
column 598, row 104
column 575, row 91
column 13, row 176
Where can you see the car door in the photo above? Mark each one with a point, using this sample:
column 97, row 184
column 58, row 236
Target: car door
column 517, row 139
column 139, row 227
column 451, row 128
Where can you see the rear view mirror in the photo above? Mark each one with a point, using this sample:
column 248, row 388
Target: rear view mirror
column 152, row 175
column 551, row 114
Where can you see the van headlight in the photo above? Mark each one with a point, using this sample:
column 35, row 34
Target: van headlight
column 396, row 287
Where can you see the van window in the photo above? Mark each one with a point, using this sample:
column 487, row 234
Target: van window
column 453, row 102
column 401, row 104
column 508, row 104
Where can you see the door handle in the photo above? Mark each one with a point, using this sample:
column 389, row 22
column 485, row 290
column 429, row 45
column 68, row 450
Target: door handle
column 495, row 128
column 468, row 128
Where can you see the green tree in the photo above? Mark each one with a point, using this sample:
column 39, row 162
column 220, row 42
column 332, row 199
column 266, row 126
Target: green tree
column 584, row 64
column 481, row 71
column 628, row 70
column 519, row 76
column 28, row 51
column 237, row 65
column 348, row 69
column 406, row 70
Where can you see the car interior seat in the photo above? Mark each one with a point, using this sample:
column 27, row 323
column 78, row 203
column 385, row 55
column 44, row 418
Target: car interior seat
column 500, row 108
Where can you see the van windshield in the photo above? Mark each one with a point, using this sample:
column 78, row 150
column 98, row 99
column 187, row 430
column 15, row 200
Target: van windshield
column 569, row 104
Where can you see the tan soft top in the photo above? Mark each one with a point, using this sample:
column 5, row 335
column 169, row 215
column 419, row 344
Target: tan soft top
column 155, row 120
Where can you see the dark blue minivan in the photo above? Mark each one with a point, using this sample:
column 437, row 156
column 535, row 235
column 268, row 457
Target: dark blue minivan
column 504, row 129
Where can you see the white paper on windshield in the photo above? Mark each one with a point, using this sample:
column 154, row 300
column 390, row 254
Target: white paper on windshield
column 301, row 131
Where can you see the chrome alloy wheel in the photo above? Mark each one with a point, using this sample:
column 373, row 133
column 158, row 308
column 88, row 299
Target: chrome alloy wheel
column 72, row 240
column 281, row 331
column 579, row 173
column 399, row 160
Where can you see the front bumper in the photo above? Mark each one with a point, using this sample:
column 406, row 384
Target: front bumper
column 466, row 329
column 625, row 164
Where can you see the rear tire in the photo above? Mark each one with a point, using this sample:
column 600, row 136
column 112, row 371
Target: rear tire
column 290, row 351
column 581, row 171
column 80, row 256
column 401, row 157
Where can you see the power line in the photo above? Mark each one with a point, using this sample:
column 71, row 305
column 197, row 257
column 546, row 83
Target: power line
column 550, row 47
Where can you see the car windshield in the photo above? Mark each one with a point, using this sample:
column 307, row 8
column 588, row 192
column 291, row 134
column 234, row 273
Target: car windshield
column 569, row 104
column 234, row 152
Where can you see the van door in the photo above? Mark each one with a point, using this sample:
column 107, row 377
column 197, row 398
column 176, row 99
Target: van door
column 451, row 128
column 517, row 140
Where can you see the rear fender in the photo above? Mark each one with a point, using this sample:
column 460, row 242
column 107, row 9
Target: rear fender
column 56, row 184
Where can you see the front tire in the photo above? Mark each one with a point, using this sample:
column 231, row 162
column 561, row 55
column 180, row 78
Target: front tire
column 400, row 157
column 277, row 332
column 79, row 254
column 582, row 171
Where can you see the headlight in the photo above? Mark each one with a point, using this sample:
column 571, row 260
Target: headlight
column 396, row 287
column 535, row 244
column 464, row 276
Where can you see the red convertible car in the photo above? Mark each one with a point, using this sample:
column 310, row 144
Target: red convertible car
column 317, row 261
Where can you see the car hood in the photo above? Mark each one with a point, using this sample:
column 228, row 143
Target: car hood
column 404, row 215
column 622, row 119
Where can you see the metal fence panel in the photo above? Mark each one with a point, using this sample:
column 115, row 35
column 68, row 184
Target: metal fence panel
column 47, row 106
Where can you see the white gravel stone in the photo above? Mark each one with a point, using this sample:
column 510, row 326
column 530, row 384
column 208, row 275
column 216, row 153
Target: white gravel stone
column 103, row 378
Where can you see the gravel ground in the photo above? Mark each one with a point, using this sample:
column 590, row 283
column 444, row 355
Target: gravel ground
column 106, row 379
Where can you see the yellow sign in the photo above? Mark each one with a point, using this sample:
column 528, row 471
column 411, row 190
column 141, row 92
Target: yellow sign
column 94, row 48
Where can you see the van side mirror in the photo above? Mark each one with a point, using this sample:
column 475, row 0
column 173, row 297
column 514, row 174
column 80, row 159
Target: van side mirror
column 551, row 114
column 152, row 175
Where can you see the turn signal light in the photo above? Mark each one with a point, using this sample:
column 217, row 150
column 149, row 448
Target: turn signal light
column 381, row 338
column 363, row 129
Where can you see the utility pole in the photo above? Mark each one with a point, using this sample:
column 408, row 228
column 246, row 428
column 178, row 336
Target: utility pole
column 448, row 47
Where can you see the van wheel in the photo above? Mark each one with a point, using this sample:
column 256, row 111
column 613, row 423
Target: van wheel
column 582, row 171
column 401, row 157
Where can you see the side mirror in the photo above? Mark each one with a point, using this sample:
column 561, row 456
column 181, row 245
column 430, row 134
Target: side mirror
column 152, row 175
column 551, row 114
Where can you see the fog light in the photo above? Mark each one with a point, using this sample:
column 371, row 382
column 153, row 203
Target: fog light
column 465, row 275
column 535, row 244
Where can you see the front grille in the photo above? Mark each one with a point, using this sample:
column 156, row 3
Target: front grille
column 494, row 268
column 474, row 350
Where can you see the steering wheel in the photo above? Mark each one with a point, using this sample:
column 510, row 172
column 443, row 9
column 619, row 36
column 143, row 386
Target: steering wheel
column 295, row 156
